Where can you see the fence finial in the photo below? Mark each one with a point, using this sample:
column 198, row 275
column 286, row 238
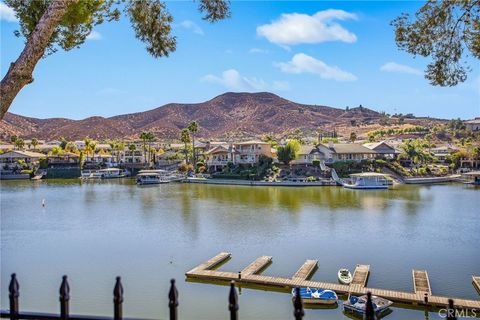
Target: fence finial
column 298, row 312
column 64, row 298
column 118, row 300
column 451, row 310
column 233, row 302
column 173, row 300
column 14, row 293
column 369, row 312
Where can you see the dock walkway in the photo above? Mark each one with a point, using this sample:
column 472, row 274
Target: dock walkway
column 306, row 270
column 476, row 282
column 204, row 272
column 360, row 275
column 421, row 283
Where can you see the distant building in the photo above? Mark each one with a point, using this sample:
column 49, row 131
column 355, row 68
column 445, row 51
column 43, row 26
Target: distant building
column 14, row 156
column 473, row 125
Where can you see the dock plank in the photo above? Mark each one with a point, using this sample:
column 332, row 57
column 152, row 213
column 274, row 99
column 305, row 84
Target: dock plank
column 421, row 283
column 306, row 270
column 476, row 282
column 360, row 275
column 257, row 265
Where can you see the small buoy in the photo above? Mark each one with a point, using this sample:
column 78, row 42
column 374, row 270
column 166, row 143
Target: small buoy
column 43, row 202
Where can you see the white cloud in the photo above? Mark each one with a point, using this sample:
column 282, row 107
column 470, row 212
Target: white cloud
column 297, row 28
column 400, row 68
column 233, row 80
column 188, row 24
column 258, row 50
column 94, row 35
column 7, row 13
column 302, row 63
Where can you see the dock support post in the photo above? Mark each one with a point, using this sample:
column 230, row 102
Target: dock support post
column 173, row 300
column 425, row 299
column 451, row 310
column 369, row 312
column 14, row 293
column 298, row 311
column 239, row 275
column 233, row 302
column 64, row 298
column 118, row 300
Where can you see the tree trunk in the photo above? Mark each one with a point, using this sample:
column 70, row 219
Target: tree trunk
column 20, row 72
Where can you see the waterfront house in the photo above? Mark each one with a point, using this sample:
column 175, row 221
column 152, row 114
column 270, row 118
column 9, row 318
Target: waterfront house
column 219, row 156
column 473, row 125
column 65, row 159
column 249, row 152
column 334, row 152
column 442, row 152
column 307, row 154
column 14, row 156
column 382, row 149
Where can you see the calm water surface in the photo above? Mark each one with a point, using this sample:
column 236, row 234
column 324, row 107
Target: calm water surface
column 96, row 230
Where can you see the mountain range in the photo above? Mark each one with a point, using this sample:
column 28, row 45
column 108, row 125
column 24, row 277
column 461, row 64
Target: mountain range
column 239, row 114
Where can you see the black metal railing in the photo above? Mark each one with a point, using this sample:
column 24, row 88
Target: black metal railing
column 233, row 307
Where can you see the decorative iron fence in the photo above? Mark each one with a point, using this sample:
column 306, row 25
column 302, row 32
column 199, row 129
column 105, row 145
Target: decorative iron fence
column 64, row 297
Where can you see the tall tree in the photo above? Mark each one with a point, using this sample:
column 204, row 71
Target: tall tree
column 51, row 24
column 34, row 143
column 353, row 137
column 444, row 31
column 19, row 143
column 185, row 138
column 143, row 136
column 288, row 152
column 193, row 128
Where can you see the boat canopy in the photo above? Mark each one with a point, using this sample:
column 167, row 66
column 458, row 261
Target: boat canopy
column 368, row 174
column 472, row 173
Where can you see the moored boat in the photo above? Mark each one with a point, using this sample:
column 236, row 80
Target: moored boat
column 358, row 305
column 145, row 177
column 344, row 276
column 316, row 296
column 366, row 181
column 109, row 173
column 472, row 177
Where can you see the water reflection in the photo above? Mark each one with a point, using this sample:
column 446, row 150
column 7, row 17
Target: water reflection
column 296, row 199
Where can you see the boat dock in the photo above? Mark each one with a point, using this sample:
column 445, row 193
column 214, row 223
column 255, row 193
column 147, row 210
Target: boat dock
column 476, row 282
column 421, row 283
column 206, row 272
column 307, row 270
column 360, row 275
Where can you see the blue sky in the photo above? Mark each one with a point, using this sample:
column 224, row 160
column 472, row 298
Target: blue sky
column 343, row 55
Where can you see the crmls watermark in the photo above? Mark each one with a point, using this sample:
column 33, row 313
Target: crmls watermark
column 462, row 313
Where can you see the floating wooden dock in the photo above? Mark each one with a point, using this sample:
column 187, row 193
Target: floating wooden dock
column 206, row 272
column 421, row 283
column 360, row 275
column 476, row 282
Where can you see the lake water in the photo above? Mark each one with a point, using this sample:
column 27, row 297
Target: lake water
column 94, row 231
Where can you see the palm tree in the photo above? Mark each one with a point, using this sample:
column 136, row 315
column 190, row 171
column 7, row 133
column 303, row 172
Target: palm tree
column 34, row 143
column 193, row 128
column 150, row 138
column 13, row 139
column 19, row 143
column 143, row 136
column 118, row 147
column 185, row 137
column 132, row 149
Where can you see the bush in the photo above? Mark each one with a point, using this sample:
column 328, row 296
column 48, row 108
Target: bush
column 185, row 167
column 316, row 163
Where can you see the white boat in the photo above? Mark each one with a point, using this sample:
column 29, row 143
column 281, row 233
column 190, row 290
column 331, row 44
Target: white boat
column 358, row 305
column 344, row 276
column 110, row 173
column 145, row 177
column 366, row 180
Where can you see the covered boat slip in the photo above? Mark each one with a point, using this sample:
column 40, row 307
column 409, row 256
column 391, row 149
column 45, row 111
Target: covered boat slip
column 206, row 272
column 472, row 177
column 367, row 180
